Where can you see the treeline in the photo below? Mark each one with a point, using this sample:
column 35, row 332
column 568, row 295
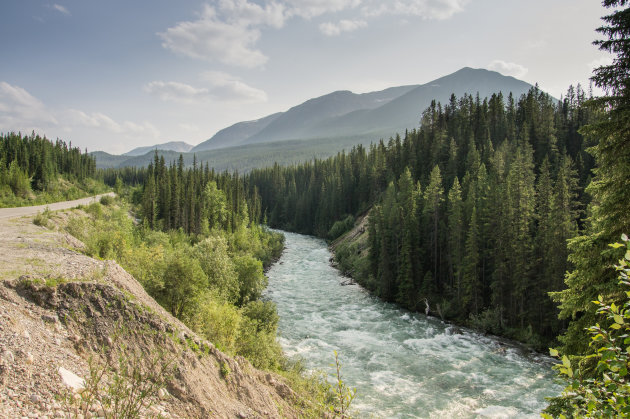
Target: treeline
column 31, row 166
column 196, row 200
column 470, row 212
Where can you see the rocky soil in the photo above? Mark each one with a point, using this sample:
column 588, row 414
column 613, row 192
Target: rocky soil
column 65, row 317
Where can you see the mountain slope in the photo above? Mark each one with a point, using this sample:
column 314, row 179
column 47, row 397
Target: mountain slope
column 235, row 134
column 344, row 113
column 305, row 120
column 179, row 146
column 405, row 111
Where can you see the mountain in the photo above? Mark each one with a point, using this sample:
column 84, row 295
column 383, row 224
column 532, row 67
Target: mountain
column 106, row 161
column 405, row 111
column 325, row 125
column 308, row 119
column 179, row 146
column 300, row 121
column 381, row 113
column 235, row 134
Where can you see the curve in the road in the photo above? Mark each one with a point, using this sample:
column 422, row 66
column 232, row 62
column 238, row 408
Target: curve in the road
column 25, row 211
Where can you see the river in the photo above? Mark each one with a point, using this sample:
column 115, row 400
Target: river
column 404, row 365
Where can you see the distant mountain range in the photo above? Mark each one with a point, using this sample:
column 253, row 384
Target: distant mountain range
column 179, row 146
column 327, row 124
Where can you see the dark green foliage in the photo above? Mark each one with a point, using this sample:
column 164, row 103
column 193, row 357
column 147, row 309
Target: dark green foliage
column 340, row 227
column 196, row 200
column 35, row 170
column 264, row 314
column 470, row 212
column 598, row 383
column 610, row 205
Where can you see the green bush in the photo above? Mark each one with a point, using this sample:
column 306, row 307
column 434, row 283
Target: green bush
column 216, row 262
column 263, row 314
column 252, row 281
column 341, row 227
column 184, row 280
column 488, row 321
column 218, row 321
column 107, row 200
column 42, row 218
column 260, row 347
column 605, row 390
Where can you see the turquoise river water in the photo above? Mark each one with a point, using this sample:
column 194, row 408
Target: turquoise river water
column 403, row 364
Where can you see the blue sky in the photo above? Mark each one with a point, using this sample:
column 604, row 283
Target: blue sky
column 113, row 75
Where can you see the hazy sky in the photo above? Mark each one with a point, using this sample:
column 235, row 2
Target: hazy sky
column 113, row 75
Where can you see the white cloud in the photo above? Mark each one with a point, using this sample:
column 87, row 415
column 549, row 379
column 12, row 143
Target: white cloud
column 19, row 110
column 312, row 8
column 177, row 92
column 246, row 13
column 229, row 30
column 508, row 69
column 74, row 118
column 426, row 9
column 232, row 89
column 227, row 33
column 60, row 9
column 222, row 87
column 334, row 29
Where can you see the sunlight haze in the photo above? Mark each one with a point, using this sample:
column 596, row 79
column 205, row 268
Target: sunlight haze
column 117, row 75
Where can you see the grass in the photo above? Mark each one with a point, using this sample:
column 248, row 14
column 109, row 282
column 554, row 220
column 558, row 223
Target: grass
column 42, row 219
column 58, row 190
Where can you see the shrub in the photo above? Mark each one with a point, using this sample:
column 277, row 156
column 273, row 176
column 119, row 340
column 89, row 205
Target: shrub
column 217, row 321
column 259, row 347
column 604, row 391
column 123, row 385
column 341, row 227
column 214, row 259
column 107, row 200
column 42, row 218
column 263, row 314
column 251, row 278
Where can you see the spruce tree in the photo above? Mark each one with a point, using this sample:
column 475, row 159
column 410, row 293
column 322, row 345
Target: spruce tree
column 610, row 188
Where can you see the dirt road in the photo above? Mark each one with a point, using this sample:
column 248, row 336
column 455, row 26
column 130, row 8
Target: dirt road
column 23, row 211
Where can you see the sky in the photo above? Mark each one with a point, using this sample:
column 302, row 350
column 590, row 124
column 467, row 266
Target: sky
column 113, row 75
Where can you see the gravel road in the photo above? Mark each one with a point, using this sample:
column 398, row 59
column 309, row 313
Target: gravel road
column 24, row 211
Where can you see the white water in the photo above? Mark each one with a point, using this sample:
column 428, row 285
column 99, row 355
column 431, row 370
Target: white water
column 403, row 365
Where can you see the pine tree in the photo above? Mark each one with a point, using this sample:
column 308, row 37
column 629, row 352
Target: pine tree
column 433, row 198
column 610, row 188
column 455, row 236
column 472, row 291
column 408, row 254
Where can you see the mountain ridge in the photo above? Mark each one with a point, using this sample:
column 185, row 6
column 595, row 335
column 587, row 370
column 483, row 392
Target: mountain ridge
column 342, row 112
column 322, row 126
column 179, row 146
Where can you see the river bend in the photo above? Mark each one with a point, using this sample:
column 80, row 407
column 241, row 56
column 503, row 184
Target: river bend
column 403, row 364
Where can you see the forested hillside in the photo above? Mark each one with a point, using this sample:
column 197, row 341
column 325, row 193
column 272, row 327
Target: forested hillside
column 200, row 252
column 35, row 170
column 471, row 212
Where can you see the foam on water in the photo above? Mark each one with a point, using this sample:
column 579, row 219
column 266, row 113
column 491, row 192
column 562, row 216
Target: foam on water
column 403, row 364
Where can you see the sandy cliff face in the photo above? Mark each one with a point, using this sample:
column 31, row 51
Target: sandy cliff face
column 61, row 311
